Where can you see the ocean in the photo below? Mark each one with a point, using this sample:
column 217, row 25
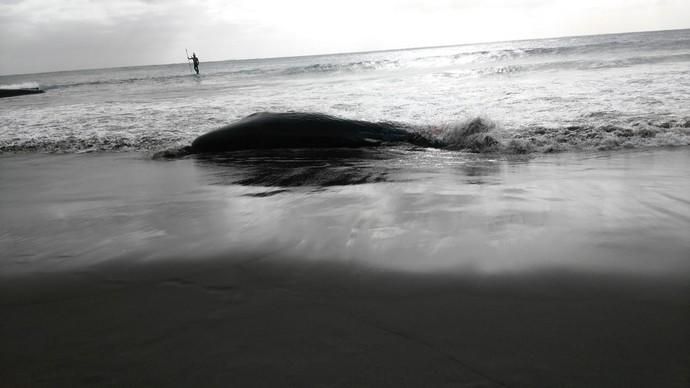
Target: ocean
column 542, row 239
column 564, row 94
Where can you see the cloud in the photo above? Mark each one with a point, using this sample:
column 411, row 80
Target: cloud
column 42, row 35
column 84, row 34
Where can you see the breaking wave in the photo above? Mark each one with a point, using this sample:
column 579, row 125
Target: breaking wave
column 483, row 135
column 21, row 85
column 599, row 137
column 342, row 67
column 93, row 143
column 476, row 135
column 572, row 50
column 580, row 64
column 116, row 81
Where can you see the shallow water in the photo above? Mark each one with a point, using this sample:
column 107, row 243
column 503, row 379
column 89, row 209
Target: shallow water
column 412, row 210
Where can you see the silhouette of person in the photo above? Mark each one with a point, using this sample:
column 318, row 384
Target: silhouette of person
column 195, row 60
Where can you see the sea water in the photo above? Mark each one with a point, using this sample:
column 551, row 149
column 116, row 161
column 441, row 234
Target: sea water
column 589, row 172
column 593, row 92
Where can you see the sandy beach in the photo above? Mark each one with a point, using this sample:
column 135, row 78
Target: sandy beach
column 563, row 270
column 259, row 323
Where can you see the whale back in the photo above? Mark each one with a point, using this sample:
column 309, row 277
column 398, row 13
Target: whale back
column 298, row 130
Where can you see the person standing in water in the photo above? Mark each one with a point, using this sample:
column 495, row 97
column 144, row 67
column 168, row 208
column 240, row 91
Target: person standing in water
column 195, row 60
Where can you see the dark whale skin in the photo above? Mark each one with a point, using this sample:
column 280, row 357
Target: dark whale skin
column 267, row 130
column 19, row 92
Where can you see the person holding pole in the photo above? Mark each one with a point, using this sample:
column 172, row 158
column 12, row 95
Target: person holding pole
column 195, row 61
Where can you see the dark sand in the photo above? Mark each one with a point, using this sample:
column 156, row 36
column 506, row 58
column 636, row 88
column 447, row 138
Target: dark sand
column 259, row 323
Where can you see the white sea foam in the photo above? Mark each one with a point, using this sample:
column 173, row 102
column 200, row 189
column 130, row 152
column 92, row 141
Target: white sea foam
column 21, row 85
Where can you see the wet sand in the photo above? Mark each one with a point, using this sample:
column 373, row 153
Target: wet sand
column 260, row 323
column 118, row 297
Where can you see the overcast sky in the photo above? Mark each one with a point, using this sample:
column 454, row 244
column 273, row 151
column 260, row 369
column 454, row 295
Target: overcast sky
column 50, row 35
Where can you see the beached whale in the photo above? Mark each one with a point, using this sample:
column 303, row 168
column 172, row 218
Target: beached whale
column 302, row 130
column 19, row 92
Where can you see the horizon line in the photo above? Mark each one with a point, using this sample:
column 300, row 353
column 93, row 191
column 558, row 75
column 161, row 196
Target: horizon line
column 345, row 52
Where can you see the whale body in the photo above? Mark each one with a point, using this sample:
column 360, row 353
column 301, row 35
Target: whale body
column 19, row 92
column 267, row 130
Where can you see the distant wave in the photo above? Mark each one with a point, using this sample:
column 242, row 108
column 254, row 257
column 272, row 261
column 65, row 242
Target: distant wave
column 318, row 68
column 550, row 61
column 342, row 67
column 480, row 62
column 365, row 66
column 550, row 51
column 115, row 81
column 574, row 65
column 492, row 66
